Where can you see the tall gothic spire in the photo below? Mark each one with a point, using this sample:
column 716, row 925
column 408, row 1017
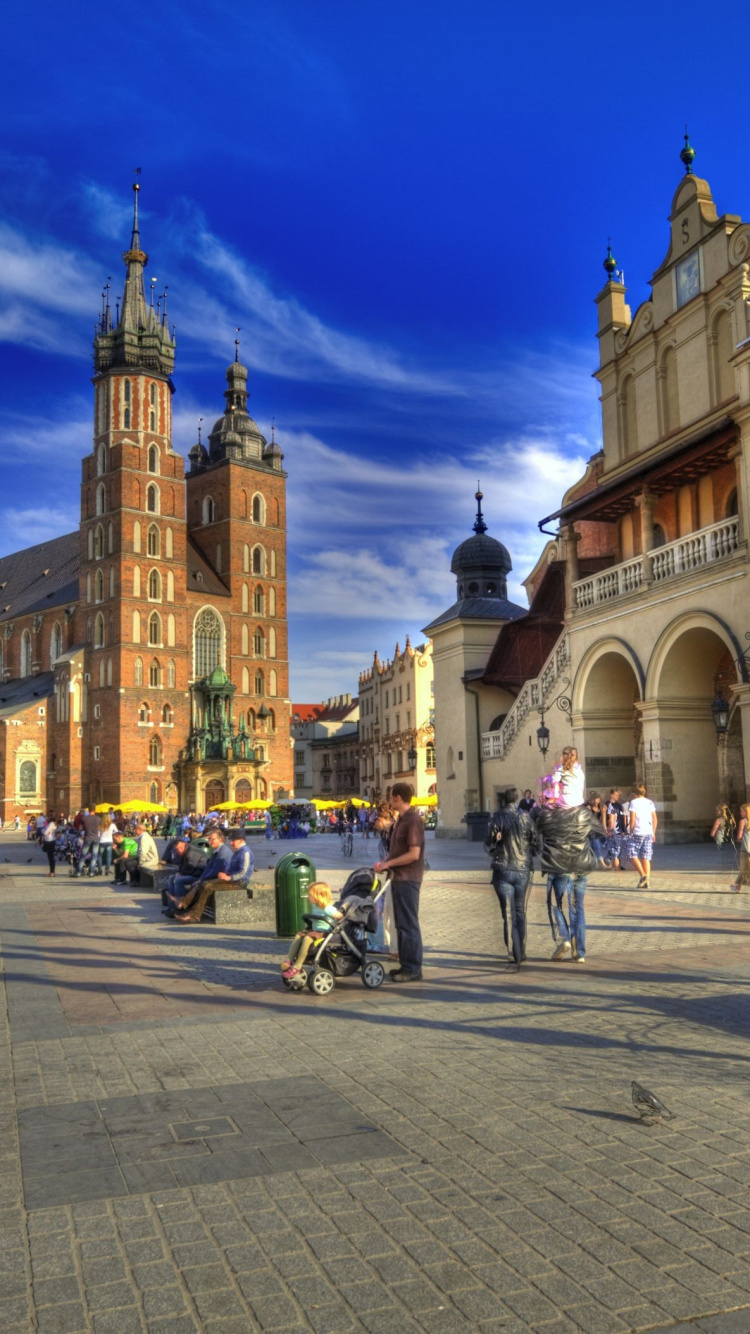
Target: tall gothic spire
column 140, row 337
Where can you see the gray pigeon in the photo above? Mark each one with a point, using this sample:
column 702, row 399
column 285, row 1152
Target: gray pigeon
column 648, row 1106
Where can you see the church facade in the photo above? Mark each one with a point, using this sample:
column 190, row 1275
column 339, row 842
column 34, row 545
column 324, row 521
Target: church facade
column 635, row 645
column 145, row 656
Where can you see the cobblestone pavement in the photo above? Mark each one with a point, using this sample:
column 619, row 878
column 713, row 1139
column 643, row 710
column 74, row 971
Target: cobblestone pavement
column 187, row 1146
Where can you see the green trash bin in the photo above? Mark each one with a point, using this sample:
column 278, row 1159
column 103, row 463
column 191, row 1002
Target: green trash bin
column 294, row 874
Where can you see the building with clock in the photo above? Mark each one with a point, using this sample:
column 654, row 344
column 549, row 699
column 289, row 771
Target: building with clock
column 635, row 644
column 144, row 656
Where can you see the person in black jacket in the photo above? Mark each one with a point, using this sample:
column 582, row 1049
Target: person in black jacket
column 511, row 842
column 567, row 857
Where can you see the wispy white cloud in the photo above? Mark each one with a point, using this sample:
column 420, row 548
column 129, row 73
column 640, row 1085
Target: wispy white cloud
column 25, row 527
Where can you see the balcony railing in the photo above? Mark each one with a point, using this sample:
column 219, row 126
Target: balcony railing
column 694, row 552
column 495, row 745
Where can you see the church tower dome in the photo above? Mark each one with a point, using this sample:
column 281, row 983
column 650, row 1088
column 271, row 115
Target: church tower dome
column 481, row 564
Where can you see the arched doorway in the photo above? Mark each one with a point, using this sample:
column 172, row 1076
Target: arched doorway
column 214, row 794
column 243, row 791
column 608, row 729
column 693, row 660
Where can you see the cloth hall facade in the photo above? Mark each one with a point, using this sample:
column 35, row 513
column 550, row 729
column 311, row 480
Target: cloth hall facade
column 145, row 655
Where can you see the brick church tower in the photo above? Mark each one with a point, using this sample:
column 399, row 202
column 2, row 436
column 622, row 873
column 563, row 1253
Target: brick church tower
column 173, row 686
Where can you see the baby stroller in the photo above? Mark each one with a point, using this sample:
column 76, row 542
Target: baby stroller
column 343, row 949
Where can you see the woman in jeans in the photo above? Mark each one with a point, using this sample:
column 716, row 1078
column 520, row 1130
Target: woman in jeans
column 107, row 831
column 48, row 843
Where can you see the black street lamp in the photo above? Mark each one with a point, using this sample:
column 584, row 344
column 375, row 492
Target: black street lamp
column 542, row 737
column 720, row 711
column 411, row 757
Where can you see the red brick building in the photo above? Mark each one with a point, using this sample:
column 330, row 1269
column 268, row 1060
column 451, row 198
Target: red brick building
column 146, row 655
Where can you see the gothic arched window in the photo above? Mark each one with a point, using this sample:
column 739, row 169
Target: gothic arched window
column 101, row 498
column 99, row 631
column 25, row 654
column 272, row 687
column 126, row 408
column 245, row 598
column 246, row 558
column 136, row 536
column 154, row 673
column 167, row 715
column 152, row 498
column 271, row 642
column 259, row 644
column 168, row 544
column 144, row 713
column 153, row 453
column 272, row 602
column 259, row 509
column 101, row 460
column 258, row 601
column 99, row 586
column 154, row 628
column 259, row 683
column 154, row 751
column 245, row 681
column 209, row 509
column 55, row 644
column 138, row 672
column 245, row 641
column 154, row 540
column 171, row 674
column 154, row 586
column 259, row 560
column 207, row 642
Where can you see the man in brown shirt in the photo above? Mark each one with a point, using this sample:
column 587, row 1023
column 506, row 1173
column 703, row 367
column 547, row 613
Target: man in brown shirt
column 405, row 861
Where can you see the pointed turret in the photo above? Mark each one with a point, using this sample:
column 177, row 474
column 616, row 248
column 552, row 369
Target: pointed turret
column 140, row 336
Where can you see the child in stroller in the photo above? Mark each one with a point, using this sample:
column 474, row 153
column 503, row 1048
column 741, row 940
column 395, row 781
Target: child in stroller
column 341, row 949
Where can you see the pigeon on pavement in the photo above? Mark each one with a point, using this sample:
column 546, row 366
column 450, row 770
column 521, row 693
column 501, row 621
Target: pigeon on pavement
column 648, row 1106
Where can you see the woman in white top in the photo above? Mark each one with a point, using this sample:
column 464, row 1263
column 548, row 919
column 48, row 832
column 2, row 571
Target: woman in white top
column 743, row 838
column 643, row 822
column 107, row 830
column 48, row 843
column 569, row 780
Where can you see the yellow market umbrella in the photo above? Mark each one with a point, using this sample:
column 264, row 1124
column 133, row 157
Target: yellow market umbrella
column 257, row 805
column 141, row 808
column 229, row 806
column 429, row 800
column 104, row 807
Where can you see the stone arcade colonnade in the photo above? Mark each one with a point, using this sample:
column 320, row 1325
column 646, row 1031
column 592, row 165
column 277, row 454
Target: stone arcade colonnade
column 644, row 713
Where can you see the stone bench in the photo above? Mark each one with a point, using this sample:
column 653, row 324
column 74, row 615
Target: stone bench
column 230, row 906
column 156, row 879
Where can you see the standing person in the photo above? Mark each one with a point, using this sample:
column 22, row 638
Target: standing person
column 743, row 838
column 406, row 862
column 615, row 825
column 362, row 819
column 598, row 840
column 106, row 847
column 383, row 825
column 567, row 857
column 512, row 840
column 269, row 823
column 528, row 801
column 48, row 843
column 643, row 822
column 91, row 825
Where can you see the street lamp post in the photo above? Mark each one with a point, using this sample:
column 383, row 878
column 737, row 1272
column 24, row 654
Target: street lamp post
column 564, row 705
column 720, row 711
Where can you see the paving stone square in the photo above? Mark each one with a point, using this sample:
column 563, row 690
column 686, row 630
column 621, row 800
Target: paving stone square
column 190, row 1147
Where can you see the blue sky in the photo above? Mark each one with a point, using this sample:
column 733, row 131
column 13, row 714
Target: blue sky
column 404, row 206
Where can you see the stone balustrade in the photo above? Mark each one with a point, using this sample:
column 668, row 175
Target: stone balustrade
column 693, row 552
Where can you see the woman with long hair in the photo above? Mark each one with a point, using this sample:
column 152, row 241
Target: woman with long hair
column 569, row 780
column 743, row 838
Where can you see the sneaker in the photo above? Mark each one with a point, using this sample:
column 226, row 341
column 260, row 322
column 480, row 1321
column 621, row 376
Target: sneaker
column 642, row 883
column 289, row 973
column 580, row 958
column 563, row 951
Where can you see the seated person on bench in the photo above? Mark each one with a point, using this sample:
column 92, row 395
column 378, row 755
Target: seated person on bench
column 191, row 861
column 234, row 875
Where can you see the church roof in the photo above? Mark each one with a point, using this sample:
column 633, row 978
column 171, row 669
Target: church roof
column 15, row 696
column 39, row 577
column 201, row 575
column 480, row 551
column 479, row 609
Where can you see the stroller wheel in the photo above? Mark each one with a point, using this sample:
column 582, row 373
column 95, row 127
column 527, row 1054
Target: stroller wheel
column 373, row 974
column 321, row 981
column 294, row 983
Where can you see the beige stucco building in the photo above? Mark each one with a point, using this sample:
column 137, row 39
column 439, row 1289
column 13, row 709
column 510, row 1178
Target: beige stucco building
column 317, row 722
column 639, row 606
column 396, row 723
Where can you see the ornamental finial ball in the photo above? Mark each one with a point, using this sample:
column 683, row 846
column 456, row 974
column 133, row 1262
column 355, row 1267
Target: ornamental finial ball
column 688, row 155
column 610, row 263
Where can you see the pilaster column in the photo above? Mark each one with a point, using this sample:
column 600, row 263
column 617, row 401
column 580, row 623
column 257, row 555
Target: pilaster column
column 570, row 539
column 646, row 502
column 737, row 453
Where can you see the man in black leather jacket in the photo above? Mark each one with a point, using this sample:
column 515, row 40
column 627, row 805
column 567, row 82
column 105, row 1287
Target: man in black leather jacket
column 567, row 857
column 511, row 842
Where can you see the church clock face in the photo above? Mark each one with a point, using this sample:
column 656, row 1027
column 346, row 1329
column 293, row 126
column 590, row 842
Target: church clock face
column 688, row 279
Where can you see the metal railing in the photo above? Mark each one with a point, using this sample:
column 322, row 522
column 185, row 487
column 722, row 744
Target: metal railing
column 495, row 745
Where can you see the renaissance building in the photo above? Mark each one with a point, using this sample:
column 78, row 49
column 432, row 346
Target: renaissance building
column 635, row 644
column 145, row 655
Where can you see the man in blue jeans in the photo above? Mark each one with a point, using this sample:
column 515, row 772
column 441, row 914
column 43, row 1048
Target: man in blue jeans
column 511, row 841
column 91, row 830
column 567, row 857
column 405, row 861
